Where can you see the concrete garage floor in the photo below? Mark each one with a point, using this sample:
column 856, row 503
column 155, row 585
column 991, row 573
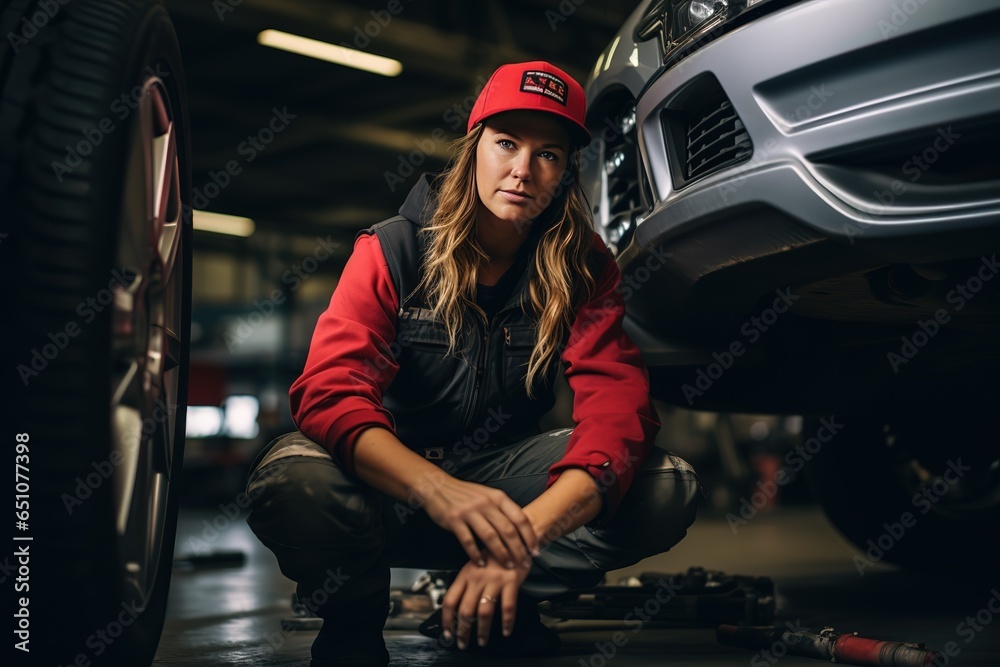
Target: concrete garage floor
column 230, row 616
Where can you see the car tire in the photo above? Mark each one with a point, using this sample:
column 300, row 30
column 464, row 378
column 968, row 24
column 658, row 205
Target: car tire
column 939, row 516
column 95, row 250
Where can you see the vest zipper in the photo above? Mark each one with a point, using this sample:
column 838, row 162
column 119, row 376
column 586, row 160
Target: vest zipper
column 473, row 408
column 481, row 374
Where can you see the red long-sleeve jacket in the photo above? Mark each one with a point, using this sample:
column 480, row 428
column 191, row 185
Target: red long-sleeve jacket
column 349, row 367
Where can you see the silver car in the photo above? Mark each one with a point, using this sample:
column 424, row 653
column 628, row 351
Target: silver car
column 804, row 199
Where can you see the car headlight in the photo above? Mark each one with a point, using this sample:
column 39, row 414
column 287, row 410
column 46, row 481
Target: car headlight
column 678, row 23
column 690, row 14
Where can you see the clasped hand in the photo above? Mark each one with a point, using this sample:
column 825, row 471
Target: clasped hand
column 475, row 512
column 476, row 596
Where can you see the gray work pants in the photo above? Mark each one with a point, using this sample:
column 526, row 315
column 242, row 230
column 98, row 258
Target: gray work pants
column 337, row 536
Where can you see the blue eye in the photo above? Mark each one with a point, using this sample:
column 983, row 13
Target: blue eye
column 505, row 143
column 548, row 155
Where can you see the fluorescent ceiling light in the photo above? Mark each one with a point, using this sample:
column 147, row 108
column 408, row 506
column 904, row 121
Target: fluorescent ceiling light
column 221, row 223
column 203, row 421
column 237, row 418
column 330, row 52
column 240, row 417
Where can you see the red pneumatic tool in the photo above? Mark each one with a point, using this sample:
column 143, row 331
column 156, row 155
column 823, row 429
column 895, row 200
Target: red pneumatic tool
column 828, row 644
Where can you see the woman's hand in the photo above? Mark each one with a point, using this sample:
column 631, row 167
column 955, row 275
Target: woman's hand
column 471, row 510
column 477, row 595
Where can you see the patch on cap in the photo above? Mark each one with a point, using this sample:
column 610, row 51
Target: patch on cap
column 543, row 83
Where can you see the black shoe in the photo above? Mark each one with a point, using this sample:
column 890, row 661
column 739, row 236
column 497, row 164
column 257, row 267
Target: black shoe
column 351, row 634
column 351, row 640
column 528, row 637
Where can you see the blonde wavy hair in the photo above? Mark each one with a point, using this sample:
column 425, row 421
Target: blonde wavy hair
column 560, row 280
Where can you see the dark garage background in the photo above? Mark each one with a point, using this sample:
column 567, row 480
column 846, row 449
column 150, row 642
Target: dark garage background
column 351, row 145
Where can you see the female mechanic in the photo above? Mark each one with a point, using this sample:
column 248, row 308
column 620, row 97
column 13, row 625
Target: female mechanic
column 418, row 410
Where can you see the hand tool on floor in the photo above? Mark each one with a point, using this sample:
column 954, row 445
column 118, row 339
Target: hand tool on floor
column 696, row 598
column 217, row 558
column 828, row 644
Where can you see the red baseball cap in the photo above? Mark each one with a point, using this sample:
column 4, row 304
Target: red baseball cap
column 536, row 86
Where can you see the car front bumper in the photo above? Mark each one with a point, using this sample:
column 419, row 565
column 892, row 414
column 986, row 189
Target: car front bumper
column 820, row 86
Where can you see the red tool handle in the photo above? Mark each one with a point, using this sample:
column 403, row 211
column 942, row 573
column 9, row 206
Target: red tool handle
column 856, row 650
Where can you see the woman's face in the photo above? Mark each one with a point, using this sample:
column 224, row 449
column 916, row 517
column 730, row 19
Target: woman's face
column 520, row 159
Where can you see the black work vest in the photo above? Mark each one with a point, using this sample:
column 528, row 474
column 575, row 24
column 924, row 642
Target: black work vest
column 475, row 395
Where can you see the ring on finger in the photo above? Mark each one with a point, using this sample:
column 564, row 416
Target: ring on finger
column 487, row 598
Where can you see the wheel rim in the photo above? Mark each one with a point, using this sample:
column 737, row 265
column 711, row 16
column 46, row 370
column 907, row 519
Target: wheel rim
column 970, row 497
column 147, row 290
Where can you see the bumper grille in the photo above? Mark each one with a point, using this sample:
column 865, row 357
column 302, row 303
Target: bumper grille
column 704, row 133
column 715, row 141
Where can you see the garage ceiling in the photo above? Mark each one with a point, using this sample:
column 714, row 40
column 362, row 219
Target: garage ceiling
column 335, row 168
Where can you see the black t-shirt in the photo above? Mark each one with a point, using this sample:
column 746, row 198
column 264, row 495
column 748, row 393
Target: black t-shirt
column 491, row 298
